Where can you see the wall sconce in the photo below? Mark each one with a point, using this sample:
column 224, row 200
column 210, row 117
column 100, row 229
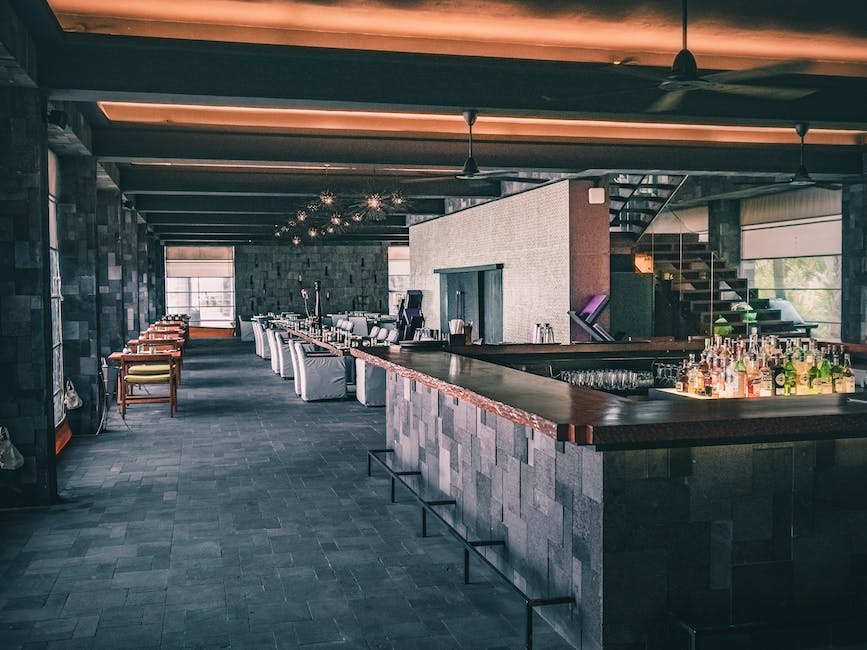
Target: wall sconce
column 596, row 194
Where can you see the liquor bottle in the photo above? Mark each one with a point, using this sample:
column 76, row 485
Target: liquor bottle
column 837, row 373
column 718, row 381
column 813, row 387
column 848, row 380
column 740, row 383
column 826, row 384
column 779, row 374
column 791, row 385
column 767, row 379
column 803, row 363
column 728, row 379
column 681, row 384
column 754, row 376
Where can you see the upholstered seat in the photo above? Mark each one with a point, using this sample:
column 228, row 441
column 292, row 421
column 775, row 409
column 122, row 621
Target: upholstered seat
column 259, row 338
column 369, row 383
column 245, row 329
column 148, row 369
column 284, row 355
column 323, row 375
column 272, row 349
column 296, row 365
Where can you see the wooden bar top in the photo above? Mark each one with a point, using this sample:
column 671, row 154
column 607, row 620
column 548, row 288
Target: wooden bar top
column 609, row 422
column 332, row 346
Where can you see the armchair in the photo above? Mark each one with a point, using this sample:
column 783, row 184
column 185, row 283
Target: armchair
column 323, row 375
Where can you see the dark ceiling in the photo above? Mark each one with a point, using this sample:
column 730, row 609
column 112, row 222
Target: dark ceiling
column 208, row 177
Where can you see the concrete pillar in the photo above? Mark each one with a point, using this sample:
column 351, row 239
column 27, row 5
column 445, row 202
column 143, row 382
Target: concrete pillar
column 724, row 229
column 77, row 243
column 589, row 253
column 128, row 243
column 854, row 264
column 110, row 273
column 26, row 395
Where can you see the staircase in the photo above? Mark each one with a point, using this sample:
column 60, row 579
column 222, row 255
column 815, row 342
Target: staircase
column 635, row 199
column 705, row 288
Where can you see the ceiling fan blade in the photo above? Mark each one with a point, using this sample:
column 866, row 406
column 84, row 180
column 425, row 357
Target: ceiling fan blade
column 635, row 71
column 518, row 179
column 669, row 101
column 761, row 92
column 427, row 179
column 784, row 67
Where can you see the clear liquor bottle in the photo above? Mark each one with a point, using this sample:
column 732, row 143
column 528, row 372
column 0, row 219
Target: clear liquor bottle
column 848, row 381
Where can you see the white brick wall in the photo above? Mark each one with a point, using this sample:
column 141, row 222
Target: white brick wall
column 528, row 233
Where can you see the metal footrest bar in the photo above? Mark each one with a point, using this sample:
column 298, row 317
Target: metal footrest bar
column 370, row 454
column 469, row 545
column 435, row 502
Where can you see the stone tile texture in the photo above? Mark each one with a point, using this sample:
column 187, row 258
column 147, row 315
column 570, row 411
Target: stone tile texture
column 246, row 521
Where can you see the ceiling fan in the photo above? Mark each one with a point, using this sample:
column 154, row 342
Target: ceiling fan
column 801, row 177
column 470, row 170
column 684, row 78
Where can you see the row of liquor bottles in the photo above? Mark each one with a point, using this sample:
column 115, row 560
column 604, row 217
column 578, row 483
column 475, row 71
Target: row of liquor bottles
column 766, row 367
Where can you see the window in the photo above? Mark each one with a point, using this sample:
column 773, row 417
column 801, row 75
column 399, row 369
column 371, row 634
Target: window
column 200, row 281
column 398, row 276
column 798, row 260
column 56, row 298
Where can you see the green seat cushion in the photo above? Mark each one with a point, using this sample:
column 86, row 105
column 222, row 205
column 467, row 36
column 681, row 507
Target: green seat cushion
column 148, row 379
column 149, row 369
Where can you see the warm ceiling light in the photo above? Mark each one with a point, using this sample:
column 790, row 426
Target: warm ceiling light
column 301, row 215
column 486, row 125
column 581, row 32
column 374, row 202
column 336, row 219
column 296, row 240
column 327, row 198
column 313, row 232
column 237, row 165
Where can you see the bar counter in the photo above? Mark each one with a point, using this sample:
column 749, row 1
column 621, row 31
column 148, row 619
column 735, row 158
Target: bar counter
column 606, row 421
column 740, row 519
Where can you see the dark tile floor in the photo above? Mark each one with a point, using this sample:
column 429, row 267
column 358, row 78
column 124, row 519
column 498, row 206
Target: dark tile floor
column 247, row 521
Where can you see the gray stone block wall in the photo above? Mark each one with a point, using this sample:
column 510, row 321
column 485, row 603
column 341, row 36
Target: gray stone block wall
column 716, row 535
column 77, row 246
column 511, row 482
column 353, row 278
column 854, row 263
column 26, row 405
column 130, row 274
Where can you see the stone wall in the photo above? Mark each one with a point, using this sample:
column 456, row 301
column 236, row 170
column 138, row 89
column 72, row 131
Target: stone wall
column 715, row 535
column 854, row 264
column 353, row 278
column 542, row 497
column 76, row 226
column 26, row 406
column 130, row 274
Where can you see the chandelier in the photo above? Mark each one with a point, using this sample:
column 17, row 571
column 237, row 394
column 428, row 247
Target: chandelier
column 328, row 214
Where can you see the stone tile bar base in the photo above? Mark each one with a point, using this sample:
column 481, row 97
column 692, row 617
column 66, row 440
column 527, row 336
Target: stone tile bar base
column 717, row 535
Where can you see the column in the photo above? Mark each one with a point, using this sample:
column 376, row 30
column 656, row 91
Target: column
column 724, row 229
column 77, row 243
column 26, row 395
column 853, row 270
column 110, row 273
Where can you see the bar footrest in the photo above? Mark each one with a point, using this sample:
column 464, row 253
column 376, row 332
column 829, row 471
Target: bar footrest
column 428, row 506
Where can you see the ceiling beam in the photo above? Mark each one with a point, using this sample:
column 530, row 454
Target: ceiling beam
column 93, row 67
column 167, row 219
column 268, row 239
column 275, row 205
column 180, row 180
column 150, row 144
